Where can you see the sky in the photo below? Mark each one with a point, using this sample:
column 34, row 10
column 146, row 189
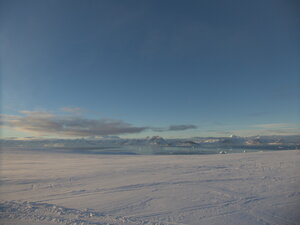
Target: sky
column 141, row 68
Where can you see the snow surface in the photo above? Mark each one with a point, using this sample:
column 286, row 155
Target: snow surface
column 57, row 188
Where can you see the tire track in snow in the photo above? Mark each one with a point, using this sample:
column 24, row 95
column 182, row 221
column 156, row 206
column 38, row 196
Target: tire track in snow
column 43, row 212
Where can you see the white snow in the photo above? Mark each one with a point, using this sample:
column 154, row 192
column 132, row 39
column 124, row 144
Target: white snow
column 57, row 188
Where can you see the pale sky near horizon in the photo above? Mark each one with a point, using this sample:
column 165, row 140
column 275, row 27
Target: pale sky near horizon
column 142, row 68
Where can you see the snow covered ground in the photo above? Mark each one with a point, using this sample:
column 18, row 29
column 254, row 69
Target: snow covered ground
column 59, row 188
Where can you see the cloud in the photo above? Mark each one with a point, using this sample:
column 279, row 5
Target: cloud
column 181, row 127
column 175, row 128
column 44, row 122
column 4, row 118
column 40, row 123
column 76, row 110
column 271, row 129
column 259, row 129
column 274, row 125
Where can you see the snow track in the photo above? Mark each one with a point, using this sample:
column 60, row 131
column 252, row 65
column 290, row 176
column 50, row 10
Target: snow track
column 41, row 188
column 41, row 212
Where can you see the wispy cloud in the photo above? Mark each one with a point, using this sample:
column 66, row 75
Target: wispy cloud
column 258, row 129
column 278, row 128
column 75, row 110
column 182, row 127
column 274, row 125
column 44, row 122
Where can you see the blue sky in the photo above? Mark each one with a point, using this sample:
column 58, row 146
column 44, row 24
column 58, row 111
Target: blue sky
column 220, row 67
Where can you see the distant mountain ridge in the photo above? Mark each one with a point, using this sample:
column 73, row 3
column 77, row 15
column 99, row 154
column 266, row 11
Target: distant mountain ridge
column 292, row 141
column 157, row 140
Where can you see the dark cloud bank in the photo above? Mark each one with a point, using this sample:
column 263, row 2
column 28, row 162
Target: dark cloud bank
column 181, row 127
column 42, row 122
